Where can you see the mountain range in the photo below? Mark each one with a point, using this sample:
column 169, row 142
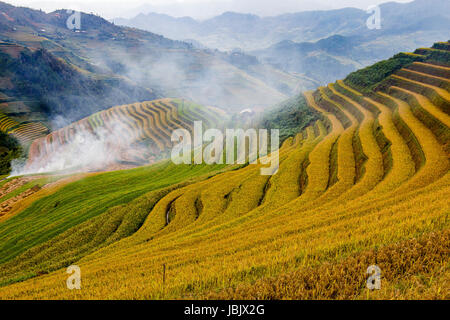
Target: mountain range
column 322, row 45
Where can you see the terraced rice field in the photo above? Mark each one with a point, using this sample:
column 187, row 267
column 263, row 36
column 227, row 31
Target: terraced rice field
column 25, row 132
column 147, row 122
column 368, row 184
column 30, row 131
column 7, row 123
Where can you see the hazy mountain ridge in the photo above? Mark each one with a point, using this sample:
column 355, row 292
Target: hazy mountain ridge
column 322, row 45
column 324, row 61
column 250, row 32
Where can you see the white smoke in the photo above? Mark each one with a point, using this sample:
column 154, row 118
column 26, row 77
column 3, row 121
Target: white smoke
column 86, row 151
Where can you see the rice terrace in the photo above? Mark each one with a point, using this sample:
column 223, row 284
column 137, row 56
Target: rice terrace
column 358, row 208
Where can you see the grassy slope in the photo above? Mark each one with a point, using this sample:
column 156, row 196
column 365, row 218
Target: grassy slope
column 289, row 117
column 369, row 78
column 86, row 199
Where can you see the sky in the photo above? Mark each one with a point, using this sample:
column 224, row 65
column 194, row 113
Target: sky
column 198, row 9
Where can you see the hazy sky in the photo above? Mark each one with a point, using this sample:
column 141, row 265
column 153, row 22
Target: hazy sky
column 199, row 9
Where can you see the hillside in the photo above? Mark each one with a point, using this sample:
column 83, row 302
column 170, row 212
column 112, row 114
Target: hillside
column 39, row 87
column 115, row 56
column 366, row 183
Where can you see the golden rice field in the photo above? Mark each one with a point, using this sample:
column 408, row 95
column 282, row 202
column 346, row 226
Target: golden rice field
column 369, row 184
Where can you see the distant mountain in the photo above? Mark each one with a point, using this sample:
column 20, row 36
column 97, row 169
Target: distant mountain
column 146, row 61
column 173, row 28
column 321, row 45
column 325, row 61
column 250, row 32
